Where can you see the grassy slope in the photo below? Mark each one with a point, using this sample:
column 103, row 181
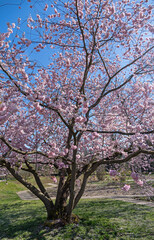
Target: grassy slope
column 99, row 219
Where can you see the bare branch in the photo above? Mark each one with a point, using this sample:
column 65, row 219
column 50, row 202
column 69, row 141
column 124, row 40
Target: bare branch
column 20, row 151
column 111, row 90
column 37, row 179
column 19, row 88
column 111, row 160
column 120, row 86
column 103, row 93
column 81, row 27
column 28, row 185
column 104, row 65
column 135, row 60
column 119, row 132
column 58, row 44
column 59, row 114
column 81, row 191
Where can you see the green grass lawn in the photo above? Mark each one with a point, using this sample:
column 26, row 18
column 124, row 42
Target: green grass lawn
column 99, row 219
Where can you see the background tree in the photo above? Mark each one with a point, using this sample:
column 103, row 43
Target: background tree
column 89, row 104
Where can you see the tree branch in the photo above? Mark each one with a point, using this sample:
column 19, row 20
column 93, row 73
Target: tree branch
column 110, row 160
column 104, row 66
column 20, row 151
column 18, row 87
column 37, row 179
column 28, row 185
column 41, row 104
column 119, row 132
column 103, row 93
column 81, row 191
column 129, row 64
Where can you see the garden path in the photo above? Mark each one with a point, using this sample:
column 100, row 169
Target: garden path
column 94, row 190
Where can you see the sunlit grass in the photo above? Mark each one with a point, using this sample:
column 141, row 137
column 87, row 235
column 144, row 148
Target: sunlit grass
column 99, row 219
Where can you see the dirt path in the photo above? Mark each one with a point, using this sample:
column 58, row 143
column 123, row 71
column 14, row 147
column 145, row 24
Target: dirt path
column 27, row 195
column 95, row 190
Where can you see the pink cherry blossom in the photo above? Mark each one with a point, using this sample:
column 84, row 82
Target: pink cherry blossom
column 126, row 187
column 74, row 147
column 51, row 154
column 78, row 156
column 140, row 182
column 134, row 176
column 54, row 179
column 76, row 92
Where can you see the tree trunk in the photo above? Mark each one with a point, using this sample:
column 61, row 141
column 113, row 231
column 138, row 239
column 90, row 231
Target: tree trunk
column 51, row 214
column 60, row 215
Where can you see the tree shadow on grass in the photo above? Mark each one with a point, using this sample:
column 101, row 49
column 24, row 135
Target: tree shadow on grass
column 99, row 219
column 132, row 220
column 22, row 219
column 111, row 208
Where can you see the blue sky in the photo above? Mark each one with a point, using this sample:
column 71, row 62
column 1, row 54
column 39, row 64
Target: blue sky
column 11, row 10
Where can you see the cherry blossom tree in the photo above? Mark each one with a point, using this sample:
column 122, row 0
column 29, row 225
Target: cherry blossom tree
column 89, row 104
